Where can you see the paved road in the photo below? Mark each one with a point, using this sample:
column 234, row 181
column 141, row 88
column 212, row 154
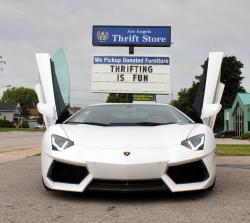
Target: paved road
column 23, row 199
column 19, row 140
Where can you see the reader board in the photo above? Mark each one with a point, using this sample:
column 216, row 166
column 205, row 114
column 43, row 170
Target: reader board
column 144, row 36
column 131, row 74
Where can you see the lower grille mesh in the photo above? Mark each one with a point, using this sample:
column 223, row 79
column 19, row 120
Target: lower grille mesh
column 120, row 185
column 188, row 173
column 67, row 173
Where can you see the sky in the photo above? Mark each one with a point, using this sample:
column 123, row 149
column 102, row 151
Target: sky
column 198, row 27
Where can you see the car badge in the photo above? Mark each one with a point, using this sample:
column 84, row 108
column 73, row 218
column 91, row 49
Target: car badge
column 126, row 153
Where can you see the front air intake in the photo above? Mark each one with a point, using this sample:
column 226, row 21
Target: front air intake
column 67, row 173
column 188, row 173
column 126, row 186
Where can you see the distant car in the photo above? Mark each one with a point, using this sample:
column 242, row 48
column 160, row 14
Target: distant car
column 219, row 134
column 126, row 147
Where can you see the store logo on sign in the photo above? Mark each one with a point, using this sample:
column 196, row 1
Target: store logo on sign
column 102, row 36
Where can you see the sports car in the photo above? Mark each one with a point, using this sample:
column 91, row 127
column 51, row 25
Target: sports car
column 126, row 146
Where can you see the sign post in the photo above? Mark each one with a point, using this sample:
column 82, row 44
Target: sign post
column 131, row 36
column 131, row 52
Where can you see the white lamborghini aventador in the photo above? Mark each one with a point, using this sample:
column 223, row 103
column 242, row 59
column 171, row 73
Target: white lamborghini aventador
column 126, row 147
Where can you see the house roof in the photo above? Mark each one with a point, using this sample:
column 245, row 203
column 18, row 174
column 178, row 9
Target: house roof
column 8, row 106
column 245, row 98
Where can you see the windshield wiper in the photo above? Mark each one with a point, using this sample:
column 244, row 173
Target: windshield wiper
column 139, row 123
column 126, row 123
column 154, row 123
column 149, row 123
column 88, row 123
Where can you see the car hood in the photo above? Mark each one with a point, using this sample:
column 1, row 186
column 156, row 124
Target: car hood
column 127, row 136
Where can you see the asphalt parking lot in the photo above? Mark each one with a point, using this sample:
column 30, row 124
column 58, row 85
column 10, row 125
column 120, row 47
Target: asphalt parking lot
column 23, row 199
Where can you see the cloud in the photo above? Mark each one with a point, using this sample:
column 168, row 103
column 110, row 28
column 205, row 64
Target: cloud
column 198, row 27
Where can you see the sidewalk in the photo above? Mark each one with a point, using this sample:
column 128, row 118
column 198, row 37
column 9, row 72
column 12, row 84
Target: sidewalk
column 232, row 141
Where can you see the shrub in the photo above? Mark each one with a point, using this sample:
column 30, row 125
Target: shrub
column 245, row 136
column 23, row 123
column 6, row 124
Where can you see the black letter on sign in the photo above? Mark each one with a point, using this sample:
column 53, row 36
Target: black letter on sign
column 120, row 77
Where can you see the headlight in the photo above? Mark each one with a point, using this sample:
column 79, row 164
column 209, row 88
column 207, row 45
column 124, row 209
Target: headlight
column 194, row 143
column 60, row 143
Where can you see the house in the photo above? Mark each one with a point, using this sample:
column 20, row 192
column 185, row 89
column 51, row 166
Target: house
column 73, row 110
column 237, row 118
column 33, row 116
column 10, row 111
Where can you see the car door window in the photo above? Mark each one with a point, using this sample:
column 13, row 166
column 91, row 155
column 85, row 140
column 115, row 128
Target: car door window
column 61, row 81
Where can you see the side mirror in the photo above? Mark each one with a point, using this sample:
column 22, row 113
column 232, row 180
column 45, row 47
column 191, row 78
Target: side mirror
column 46, row 110
column 210, row 110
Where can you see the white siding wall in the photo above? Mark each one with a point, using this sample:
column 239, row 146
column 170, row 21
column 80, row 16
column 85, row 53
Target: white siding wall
column 8, row 116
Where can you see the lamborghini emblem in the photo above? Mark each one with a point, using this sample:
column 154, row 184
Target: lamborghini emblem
column 126, row 153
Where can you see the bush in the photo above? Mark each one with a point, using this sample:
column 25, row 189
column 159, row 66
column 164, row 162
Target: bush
column 6, row 124
column 245, row 136
column 23, row 123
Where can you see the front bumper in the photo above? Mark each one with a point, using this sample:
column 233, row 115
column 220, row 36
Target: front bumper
column 156, row 169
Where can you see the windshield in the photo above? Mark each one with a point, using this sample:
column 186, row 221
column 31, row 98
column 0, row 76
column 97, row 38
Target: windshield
column 128, row 115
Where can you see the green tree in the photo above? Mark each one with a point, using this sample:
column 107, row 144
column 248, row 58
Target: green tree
column 25, row 96
column 231, row 76
column 186, row 98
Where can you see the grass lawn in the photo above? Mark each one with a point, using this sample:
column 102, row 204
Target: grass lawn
column 233, row 150
column 21, row 129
